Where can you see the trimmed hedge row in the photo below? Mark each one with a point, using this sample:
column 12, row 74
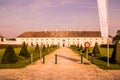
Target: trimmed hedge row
column 105, row 46
column 3, row 46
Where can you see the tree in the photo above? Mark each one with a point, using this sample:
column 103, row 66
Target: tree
column 117, row 36
column 77, row 46
column 96, row 49
column 118, row 52
column 24, row 52
column 118, row 32
column 37, row 49
column 9, row 56
column 44, row 50
column 81, row 47
column 48, row 46
column 113, row 56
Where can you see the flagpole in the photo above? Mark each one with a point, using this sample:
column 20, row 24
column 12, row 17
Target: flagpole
column 108, row 52
column 103, row 17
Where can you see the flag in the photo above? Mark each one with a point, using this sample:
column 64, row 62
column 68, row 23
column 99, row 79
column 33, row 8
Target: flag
column 103, row 17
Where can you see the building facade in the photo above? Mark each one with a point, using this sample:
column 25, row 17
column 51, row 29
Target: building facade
column 2, row 39
column 61, row 38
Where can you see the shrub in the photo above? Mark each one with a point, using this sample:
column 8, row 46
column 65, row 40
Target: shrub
column 3, row 46
column 24, row 52
column 9, row 56
column 118, row 52
column 48, row 47
column 81, row 47
column 44, row 50
column 77, row 46
column 37, row 49
column 85, row 50
column 96, row 49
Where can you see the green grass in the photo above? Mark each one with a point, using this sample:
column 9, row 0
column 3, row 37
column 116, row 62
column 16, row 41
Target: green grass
column 22, row 62
column 102, row 62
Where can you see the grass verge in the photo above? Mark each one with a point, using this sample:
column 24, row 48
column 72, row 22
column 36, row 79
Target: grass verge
column 101, row 60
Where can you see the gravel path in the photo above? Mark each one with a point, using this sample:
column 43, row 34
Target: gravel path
column 68, row 68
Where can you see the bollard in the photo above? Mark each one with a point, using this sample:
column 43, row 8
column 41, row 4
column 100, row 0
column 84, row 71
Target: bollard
column 92, row 58
column 40, row 54
column 55, row 58
column 86, row 54
column 81, row 58
column 31, row 58
column 43, row 59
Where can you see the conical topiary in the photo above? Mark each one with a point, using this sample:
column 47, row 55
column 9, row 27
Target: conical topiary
column 44, row 50
column 9, row 56
column 24, row 52
column 37, row 49
column 96, row 49
column 81, row 47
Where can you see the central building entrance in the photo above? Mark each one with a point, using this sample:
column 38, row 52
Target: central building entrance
column 63, row 43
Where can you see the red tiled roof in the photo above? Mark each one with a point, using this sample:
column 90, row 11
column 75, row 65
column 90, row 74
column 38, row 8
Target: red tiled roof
column 61, row 34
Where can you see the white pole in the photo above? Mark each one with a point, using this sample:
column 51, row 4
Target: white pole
column 108, row 52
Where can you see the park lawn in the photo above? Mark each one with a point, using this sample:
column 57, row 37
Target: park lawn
column 100, row 60
column 22, row 62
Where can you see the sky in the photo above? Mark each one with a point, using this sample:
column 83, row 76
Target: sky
column 18, row 16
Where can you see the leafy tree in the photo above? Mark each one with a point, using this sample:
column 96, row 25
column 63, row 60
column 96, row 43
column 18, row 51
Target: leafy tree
column 9, row 56
column 118, row 32
column 24, row 52
column 117, row 37
column 37, row 49
column 96, row 49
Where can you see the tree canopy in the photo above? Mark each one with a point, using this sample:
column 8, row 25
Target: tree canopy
column 117, row 36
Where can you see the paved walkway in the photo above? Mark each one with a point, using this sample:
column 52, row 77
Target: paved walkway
column 68, row 68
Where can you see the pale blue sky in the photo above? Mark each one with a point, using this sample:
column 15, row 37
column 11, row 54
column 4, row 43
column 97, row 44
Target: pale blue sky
column 17, row 16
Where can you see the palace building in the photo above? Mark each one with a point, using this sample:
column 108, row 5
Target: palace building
column 2, row 39
column 61, row 38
